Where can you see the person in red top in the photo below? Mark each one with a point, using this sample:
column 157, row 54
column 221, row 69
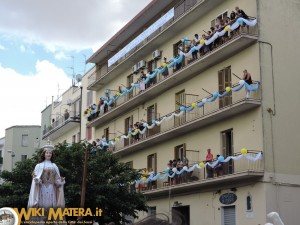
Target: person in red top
column 209, row 158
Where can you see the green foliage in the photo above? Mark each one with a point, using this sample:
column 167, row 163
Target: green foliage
column 107, row 183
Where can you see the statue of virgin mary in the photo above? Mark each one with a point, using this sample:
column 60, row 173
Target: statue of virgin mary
column 47, row 184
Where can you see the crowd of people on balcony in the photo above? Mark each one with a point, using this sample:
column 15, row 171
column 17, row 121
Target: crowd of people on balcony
column 187, row 44
column 177, row 165
column 184, row 46
column 99, row 145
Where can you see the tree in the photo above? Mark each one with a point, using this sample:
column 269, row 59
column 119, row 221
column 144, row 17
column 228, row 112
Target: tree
column 108, row 185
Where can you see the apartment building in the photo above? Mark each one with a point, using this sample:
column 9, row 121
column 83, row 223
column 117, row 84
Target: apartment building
column 19, row 143
column 2, row 144
column 201, row 104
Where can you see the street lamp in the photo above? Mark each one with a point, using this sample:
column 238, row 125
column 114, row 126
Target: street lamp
column 12, row 158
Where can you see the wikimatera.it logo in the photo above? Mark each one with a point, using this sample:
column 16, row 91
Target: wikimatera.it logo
column 14, row 216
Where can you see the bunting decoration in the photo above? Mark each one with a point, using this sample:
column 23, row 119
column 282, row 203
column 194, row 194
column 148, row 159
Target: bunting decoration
column 183, row 109
column 109, row 101
column 146, row 178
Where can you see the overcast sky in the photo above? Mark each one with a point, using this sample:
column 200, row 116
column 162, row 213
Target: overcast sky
column 44, row 43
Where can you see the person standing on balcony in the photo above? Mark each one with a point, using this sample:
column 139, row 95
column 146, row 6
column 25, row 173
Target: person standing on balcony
column 104, row 143
column 241, row 14
column 166, row 71
column 219, row 167
column 247, row 78
column 142, row 82
column 209, row 158
column 66, row 114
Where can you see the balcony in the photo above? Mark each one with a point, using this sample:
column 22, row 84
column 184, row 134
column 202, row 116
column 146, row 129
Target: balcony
column 62, row 126
column 234, row 174
column 188, row 14
column 211, row 113
column 223, row 52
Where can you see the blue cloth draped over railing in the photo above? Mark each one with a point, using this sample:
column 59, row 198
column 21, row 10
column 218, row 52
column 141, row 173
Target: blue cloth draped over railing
column 171, row 173
column 179, row 59
column 183, row 109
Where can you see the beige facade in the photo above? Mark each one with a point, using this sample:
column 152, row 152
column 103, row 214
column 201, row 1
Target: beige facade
column 265, row 122
column 20, row 144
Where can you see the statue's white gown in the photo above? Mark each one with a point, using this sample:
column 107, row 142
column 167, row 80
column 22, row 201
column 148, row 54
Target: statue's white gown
column 47, row 187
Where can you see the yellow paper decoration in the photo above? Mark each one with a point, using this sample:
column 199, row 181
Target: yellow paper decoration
column 244, row 151
column 228, row 89
column 227, row 28
column 202, row 41
column 201, row 164
column 194, row 105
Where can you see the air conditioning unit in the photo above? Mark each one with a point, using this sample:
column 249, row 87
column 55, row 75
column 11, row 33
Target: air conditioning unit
column 141, row 64
column 135, row 68
column 156, row 54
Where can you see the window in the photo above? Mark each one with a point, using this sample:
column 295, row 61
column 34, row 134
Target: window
column 218, row 18
column 224, row 78
column 228, row 215
column 128, row 123
column 151, row 210
column 152, row 115
column 180, row 101
column 184, row 211
column 227, row 150
column 24, row 140
column 179, row 152
column 89, row 98
column 129, row 82
column 151, row 67
column 89, row 133
column 73, row 139
column 249, row 203
column 106, row 133
column 151, row 166
column 151, row 162
column 23, row 157
column 78, row 137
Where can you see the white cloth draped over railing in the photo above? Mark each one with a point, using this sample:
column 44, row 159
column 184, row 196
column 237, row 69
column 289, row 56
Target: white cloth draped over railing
column 202, row 165
column 228, row 29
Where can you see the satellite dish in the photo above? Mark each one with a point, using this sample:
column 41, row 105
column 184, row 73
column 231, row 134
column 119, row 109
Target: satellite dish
column 78, row 77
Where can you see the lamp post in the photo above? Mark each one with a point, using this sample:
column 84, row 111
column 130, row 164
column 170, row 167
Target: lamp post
column 12, row 158
column 83, row 187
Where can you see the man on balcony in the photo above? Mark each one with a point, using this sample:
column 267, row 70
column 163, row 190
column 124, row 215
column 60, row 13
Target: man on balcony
column 209, row 158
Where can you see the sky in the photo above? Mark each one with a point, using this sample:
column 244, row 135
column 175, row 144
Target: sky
column 43, row 44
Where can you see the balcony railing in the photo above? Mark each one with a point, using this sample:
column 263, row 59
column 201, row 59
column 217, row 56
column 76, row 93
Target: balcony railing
column 190, row 12
column 61, row 125
column 180, row 10
column 233, row 173
column 192, row 69
column 210, row 113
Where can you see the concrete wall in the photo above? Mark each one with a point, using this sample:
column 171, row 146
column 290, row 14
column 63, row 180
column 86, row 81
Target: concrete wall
column 205, row 207
column 13, row 142
column 280, row 28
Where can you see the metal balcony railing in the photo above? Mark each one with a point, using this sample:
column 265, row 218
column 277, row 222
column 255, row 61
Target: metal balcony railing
column 180, row 10
column 209, row 109
column 232, row 169
column 71, row 117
